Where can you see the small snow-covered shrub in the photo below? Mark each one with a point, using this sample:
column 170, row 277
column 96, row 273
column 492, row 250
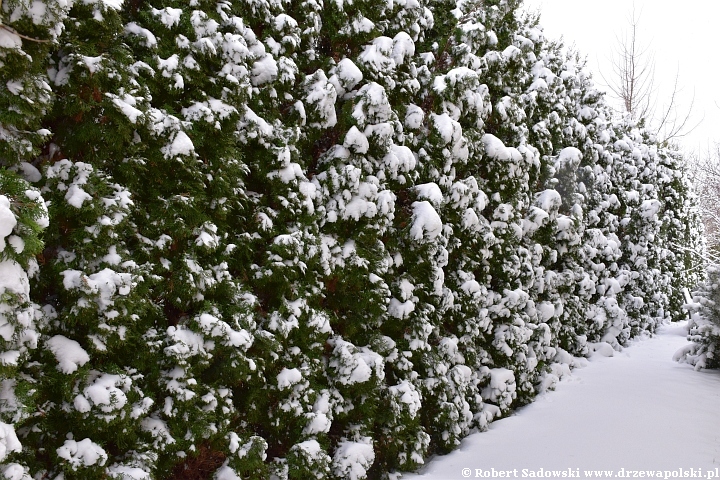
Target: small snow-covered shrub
column 704, row 324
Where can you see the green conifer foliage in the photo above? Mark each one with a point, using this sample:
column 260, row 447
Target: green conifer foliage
column 703, row 329
column 680, row 234
column 23, row 215
column 91, row 391
column 308, row 239
column 636, row 183
column 27, row 33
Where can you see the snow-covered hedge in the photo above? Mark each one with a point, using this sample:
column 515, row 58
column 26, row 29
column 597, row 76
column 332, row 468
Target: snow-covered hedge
column 308, row 239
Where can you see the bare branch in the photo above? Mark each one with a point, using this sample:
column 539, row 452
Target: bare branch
column 706, row 178
column 15, row 32
column 633, row 83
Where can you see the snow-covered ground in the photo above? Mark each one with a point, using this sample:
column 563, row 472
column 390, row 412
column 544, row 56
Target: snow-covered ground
column 638, row 411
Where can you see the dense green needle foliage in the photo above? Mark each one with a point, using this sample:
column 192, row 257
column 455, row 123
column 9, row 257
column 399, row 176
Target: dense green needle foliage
column 305, row 239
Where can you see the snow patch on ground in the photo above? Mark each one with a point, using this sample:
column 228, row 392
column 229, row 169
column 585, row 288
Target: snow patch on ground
column 638, row 410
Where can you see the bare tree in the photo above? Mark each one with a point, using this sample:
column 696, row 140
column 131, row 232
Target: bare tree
column 706, row 178
column 633, row 69
column 633, row 83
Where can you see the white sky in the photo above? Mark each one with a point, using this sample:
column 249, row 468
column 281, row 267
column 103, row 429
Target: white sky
column 684, row 36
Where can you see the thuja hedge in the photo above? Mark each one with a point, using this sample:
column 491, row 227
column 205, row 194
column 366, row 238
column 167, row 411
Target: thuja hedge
column 306, row 239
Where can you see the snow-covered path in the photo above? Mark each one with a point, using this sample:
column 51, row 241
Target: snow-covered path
column 638, row 410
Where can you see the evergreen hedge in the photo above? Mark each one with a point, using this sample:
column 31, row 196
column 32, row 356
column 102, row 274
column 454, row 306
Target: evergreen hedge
column 301, row 239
